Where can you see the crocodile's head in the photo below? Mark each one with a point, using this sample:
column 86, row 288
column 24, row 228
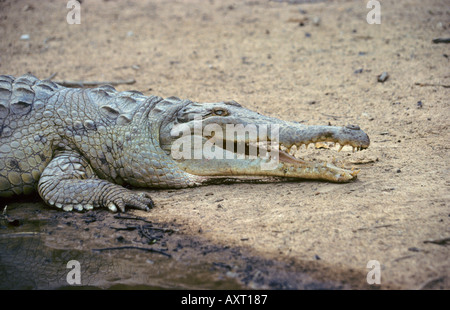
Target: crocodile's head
column 226, row 139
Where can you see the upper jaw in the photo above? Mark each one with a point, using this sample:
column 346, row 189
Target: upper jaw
column 286, row 139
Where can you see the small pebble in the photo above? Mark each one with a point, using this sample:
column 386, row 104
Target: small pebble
column 383, row 77
column 316, row 20
column 27, row 7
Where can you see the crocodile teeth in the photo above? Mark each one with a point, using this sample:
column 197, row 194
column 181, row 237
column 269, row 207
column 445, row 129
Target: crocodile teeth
column 293, row 150
column 355, row 172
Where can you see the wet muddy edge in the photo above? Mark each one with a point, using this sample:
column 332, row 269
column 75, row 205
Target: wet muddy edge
column 38, row 247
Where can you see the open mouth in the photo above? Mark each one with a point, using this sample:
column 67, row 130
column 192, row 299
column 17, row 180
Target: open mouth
column 283, row 153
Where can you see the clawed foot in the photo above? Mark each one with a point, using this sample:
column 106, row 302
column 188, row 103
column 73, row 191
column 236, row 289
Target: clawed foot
column 135, row 200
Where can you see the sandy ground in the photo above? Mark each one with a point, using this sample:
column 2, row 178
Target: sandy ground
column 279, row 59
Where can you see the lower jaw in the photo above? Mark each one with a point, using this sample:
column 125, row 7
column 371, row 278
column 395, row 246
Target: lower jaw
column 267, row 168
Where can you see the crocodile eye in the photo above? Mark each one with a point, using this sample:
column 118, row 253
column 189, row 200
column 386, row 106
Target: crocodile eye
column 219, row 112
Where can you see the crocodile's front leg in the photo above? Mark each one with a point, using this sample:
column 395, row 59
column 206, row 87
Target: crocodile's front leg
column 69, row 182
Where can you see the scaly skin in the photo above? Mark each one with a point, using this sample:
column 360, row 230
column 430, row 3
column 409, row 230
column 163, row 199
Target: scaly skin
column 79, row 147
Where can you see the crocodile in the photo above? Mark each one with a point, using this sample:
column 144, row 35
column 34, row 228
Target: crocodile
column 82, row 148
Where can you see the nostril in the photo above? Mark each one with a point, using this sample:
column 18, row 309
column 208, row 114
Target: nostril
column 353, row 127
